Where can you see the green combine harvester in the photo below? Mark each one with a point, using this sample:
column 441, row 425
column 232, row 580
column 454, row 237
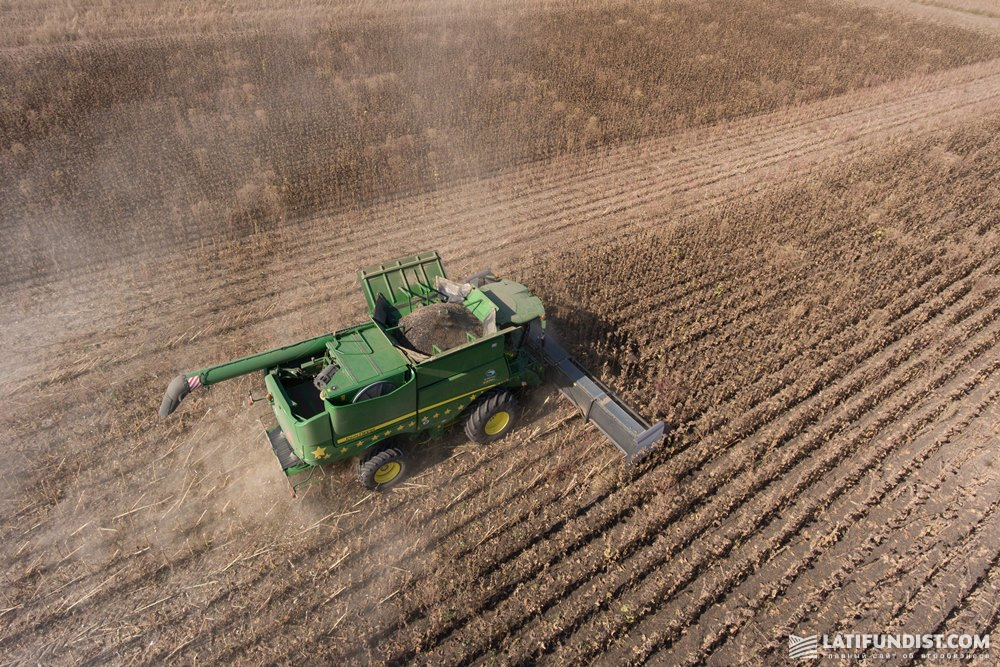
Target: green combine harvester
column 373, row 390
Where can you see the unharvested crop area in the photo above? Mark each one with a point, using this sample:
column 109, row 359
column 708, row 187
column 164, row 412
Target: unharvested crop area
column 786, row 247
column 164, row 139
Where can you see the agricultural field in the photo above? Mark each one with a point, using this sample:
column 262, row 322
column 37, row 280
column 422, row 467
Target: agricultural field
column 773, row 225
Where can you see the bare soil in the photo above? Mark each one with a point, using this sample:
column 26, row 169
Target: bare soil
column 809, row 296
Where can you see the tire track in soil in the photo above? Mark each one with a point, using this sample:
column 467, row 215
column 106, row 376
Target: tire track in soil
column 910, row 559
column 614, row 593
column 659, row 635
column 984, row 558
column 561, row 548
column 964, row 542
column 840, row 606
column 977, row 613
column 931, row 597
column 856, row 537
column 978, row 610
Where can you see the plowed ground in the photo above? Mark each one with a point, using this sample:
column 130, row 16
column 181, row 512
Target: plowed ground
column 811, row 299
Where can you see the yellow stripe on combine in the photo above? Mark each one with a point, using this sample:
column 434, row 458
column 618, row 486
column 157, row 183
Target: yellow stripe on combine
column 379, row 427
column 455, row 398
column 374, row 428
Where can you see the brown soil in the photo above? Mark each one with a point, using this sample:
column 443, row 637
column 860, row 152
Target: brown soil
column 444, row 325
column 810, row 297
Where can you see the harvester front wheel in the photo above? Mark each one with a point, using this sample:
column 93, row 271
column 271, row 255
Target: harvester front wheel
column 382, row 468
column 492, row 417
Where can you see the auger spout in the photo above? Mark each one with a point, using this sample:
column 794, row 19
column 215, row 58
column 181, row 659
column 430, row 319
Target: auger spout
column 182, row 385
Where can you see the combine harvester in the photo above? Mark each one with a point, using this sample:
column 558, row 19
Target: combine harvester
column 370, row 391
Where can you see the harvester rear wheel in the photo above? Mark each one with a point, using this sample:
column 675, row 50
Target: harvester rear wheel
column 491, row 417
column 381, row 468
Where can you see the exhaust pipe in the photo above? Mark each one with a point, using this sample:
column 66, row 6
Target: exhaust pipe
column 178, row 388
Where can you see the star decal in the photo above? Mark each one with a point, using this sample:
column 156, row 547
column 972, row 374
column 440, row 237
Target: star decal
column 319, row 453
column 412, row 424
column 374, row 438
column 343, row 450
column 436, row 415
column 459, row 406
column 448, row 411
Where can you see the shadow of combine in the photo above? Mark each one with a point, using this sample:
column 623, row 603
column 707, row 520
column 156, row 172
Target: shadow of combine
column 599, row 343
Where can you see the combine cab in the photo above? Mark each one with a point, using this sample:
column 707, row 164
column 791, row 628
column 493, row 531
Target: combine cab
column 432, row 353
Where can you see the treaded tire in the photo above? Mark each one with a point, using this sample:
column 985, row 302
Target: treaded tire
column 491, row 417
column 382, row 468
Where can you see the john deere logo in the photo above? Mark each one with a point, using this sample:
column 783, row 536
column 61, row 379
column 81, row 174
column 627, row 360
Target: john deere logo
column 803, row 648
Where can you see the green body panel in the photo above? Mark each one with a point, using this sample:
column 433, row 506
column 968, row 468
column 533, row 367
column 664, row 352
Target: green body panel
column 447, row 366
column 365, row 355
column 368, row 421
column 515, row 303
column 304, row 434
column 261, row 361
column 448, row 382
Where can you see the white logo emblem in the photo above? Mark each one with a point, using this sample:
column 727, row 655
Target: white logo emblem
column 803, row 648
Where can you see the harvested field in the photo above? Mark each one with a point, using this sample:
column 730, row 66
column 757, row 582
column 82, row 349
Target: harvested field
column 807, row 290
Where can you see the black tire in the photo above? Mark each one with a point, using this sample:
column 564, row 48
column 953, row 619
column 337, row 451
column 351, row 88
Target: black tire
column 381, row 468
column 482, row 424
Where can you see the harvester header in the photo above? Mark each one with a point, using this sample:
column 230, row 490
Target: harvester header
column 434, row 352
